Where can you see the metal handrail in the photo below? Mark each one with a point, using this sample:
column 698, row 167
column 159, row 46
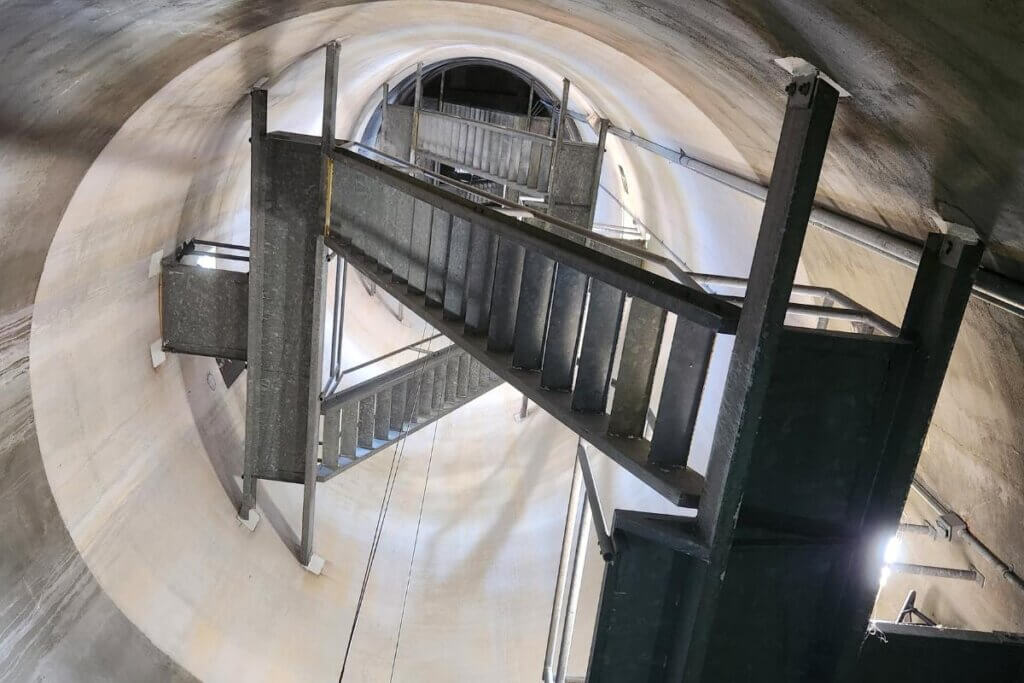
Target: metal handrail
column 611, row 242
column 845, row 314
column 388, row 379
column 407, row 347
column 689, row 301
column 221, row 245
column 505, row 130
column 480, row 173
column 854, row 312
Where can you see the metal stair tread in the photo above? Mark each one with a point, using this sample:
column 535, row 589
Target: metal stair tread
column 681, row 486
column 325, row 473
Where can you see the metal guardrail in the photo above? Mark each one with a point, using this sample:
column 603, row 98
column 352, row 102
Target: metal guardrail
column 188, row 248
column 487, row 125
column 388, row 379
column 392, row 354
column 853, row 311
column 628, row 251
column 688, row 301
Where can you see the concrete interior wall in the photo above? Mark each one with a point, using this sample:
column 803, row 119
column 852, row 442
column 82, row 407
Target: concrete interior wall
column 125, row 132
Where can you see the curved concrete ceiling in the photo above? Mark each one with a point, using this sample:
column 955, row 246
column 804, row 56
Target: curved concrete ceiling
column 124, row 126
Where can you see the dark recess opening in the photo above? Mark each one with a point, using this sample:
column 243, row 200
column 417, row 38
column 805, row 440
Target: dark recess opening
column 480, row 85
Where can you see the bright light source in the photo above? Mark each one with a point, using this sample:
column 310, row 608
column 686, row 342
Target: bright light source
column 893, row 547
column 892, row 550
column 206, row 262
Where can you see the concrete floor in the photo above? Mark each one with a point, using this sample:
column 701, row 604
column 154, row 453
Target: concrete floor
column 123, row 129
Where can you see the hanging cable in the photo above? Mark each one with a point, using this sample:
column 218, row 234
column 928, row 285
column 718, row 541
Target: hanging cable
column 415, row 544
column 385, row 504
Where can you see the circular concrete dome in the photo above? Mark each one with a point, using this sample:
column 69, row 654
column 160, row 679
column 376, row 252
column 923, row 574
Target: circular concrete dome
column 144, row 463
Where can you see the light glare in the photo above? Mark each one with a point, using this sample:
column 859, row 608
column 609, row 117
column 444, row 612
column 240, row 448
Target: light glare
column 892, row 550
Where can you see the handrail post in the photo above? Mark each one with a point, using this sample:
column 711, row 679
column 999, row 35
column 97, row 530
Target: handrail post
column 604, row 540
column 327, row 143
column 385, row 95
column 340, row 293
column 416, row 107
column 529, row 110
column 572, row 510
column 330, row 96
column 575, row 581
column 327, row 180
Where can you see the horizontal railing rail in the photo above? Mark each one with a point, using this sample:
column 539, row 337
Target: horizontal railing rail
column 850, row 310
column 408, row 347
column 388, row 379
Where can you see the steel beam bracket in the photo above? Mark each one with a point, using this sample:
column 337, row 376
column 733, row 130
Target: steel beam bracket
column 184, row 249
column 950, row 525
column 801, row 91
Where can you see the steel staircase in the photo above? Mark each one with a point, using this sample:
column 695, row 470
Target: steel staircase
column 542, row 307
column 818, row 433
column 817, row 436
column 365, row 419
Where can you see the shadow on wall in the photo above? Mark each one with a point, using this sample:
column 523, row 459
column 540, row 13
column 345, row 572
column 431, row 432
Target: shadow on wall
column 224, row 442
column 936, row 93
column 977, row 175
column 84, row 127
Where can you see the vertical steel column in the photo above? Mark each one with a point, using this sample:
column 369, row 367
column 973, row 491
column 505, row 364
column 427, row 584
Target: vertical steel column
column 798, row 161
column 440, row 97
column 563, row 111
column 805, row 131
column 327, row 141
column 330, row 96
column 529, row 110
column 385, row 95
column 595, row 186
column 258, row 183
column 942, row 288
column 572, row 510
column 316, row 354
column 604, row 540
column 417, row 104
